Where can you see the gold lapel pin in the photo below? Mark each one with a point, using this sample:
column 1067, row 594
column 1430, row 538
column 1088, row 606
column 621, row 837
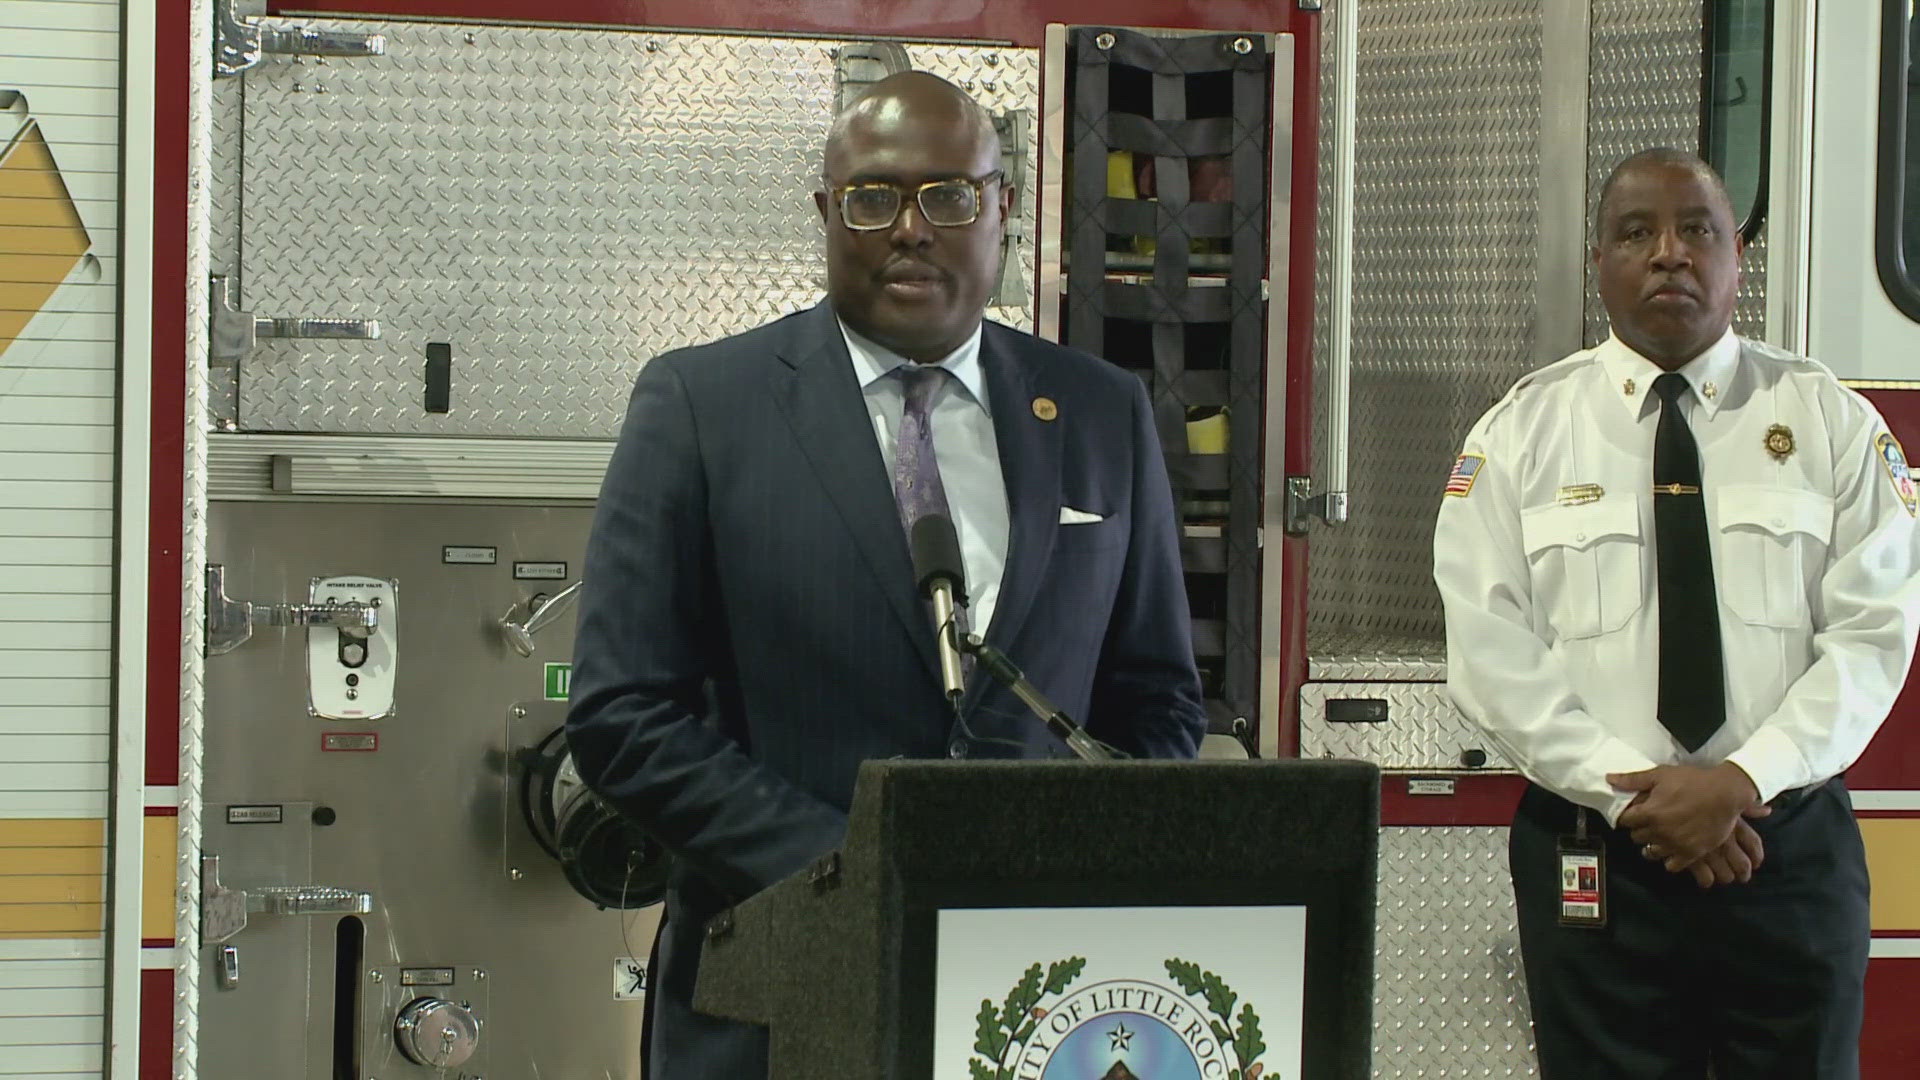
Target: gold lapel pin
column 1709, row 390
column 1627, row 388
column 1044, row 408
column 1780, row 442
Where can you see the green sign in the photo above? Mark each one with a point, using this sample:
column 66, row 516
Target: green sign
column 559, row 681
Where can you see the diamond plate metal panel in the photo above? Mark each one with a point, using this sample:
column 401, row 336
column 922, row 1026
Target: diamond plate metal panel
column 1351, row 656
column 1646, row 73
column 1423, row 730
column 1646, row 81
column 202, row 110
column 223, row 391
column 559, row 205
column 1446, row 221
column 1449, row 994
column 1750, row 303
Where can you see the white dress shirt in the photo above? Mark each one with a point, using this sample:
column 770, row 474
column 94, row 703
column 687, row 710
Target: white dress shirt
column 1546, row 566
column 964, row 447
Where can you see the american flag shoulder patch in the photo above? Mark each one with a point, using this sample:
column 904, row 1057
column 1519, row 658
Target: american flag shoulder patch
column 1465, row 471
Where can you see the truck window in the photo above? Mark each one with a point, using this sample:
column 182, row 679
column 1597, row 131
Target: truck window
column 1734, row 109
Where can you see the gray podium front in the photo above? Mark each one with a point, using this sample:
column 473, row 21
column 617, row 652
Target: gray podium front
column 840, row 960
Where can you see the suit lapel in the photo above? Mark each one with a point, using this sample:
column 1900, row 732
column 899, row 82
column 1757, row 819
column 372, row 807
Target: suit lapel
column 1030, row 465
column 823, row 404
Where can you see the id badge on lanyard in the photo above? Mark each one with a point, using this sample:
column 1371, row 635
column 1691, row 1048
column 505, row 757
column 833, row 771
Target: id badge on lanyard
column 1583, row 876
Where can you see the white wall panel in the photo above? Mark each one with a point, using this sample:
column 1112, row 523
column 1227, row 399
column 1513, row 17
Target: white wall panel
column 58, row 383
column 18, row 608
column 63, row 747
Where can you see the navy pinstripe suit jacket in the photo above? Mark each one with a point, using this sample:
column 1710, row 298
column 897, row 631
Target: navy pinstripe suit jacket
column 749, row 631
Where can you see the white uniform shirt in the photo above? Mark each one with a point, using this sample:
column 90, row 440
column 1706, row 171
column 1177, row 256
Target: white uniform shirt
column 1546, row 566
column 965, row 449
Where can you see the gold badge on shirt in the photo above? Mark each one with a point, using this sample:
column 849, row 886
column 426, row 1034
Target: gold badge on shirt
column 1576, row 494
column 1044, row 408
column 1780, row 442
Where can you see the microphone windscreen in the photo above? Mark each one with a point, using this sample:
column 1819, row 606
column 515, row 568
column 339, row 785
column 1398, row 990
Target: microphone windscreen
column 936, row 556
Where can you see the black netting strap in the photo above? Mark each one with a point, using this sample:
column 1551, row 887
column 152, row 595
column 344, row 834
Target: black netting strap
column 1150, row 217
column 1148, row 303
column 1086, row 223
column 1210, row 136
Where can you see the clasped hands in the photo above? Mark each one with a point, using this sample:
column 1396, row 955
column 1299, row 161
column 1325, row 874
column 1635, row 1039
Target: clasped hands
column 1694, row 820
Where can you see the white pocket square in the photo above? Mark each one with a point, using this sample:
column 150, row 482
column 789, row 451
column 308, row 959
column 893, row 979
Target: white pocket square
column 1070, row 516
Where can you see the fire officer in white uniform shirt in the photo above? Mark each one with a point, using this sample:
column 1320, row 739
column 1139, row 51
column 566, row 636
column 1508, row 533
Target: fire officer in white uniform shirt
column 1679, row 577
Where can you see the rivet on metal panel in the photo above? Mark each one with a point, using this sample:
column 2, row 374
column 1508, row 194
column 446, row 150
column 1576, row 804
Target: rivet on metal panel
column 479, row 976
column 319, row 88
column 471, row 38
column 653, row 46
column 993, row 59
column 987, row 85
column 297, row 88
column 519, row 712
column 1104, row 41
column 1242, row 46
column 376, row 976
column 515, row 873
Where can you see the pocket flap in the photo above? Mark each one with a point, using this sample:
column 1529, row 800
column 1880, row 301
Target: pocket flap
column 1578, row 527
column 1778, row 510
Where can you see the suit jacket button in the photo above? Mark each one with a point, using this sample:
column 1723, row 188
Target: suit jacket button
column 957, row 748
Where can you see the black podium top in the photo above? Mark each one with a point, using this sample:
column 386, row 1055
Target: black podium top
column 840, row 960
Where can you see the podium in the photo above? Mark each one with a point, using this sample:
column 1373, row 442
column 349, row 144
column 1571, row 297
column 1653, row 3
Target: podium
column 853, row 962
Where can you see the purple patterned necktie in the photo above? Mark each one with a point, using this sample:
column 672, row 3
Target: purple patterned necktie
column 916, row 474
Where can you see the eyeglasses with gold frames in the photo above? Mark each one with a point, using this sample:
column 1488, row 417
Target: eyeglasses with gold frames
column 951, row 203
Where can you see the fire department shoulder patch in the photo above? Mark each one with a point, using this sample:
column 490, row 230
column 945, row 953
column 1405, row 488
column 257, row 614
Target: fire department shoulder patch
column 1895, row 461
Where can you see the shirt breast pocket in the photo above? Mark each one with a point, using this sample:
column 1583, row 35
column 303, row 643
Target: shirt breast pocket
column 1585, row 562
column 1770, row 539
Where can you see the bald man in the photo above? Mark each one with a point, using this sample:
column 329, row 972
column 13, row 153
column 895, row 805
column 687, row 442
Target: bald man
column 1679, row 577
column 749, row 630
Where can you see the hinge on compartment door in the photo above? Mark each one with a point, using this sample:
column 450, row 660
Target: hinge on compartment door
column 239, row 42
column 1303, row 506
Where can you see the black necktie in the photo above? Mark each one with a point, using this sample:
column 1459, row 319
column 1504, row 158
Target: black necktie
column 1692, row 697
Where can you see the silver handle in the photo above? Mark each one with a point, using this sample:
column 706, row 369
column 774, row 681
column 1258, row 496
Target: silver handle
column 239, row 42
column 224, row 911
column 234, row 332
column 306, row 41
column 335, row 329
column 230, row 622
column 1330, row 505
column 358, row 620
column 519, row 634
column 309, row 900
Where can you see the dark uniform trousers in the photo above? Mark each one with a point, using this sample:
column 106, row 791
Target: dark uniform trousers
column 1751, row 981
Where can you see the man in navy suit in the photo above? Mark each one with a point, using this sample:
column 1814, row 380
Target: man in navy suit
column 750, row 631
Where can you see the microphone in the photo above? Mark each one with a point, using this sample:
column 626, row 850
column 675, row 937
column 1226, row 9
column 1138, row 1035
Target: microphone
column 1084, row 746
column 941, row 577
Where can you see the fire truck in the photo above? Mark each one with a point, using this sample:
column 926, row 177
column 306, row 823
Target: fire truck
column 316, row 326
